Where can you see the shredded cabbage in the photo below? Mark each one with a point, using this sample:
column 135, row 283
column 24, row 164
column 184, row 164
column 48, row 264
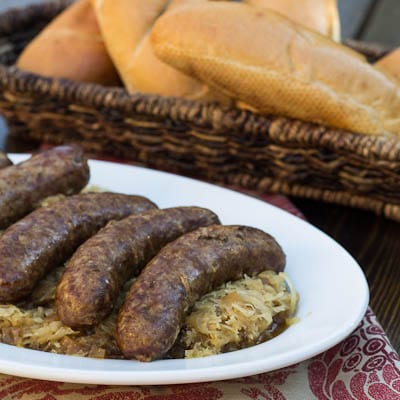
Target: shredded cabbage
column 237, row 315
column 240, row 314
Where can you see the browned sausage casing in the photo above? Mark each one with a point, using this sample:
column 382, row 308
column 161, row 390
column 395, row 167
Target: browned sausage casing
column 4, row 160
column 49, row 235
column 97, row 271
column 62, row 169
column 194, row 264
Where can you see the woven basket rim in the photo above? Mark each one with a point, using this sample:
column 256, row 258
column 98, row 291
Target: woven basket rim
column 202, row 115
column 266, row 153
column 209, row 115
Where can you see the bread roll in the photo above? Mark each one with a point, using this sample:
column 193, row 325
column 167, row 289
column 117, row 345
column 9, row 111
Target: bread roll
column 148, row 74
column 139, row 67
column 277, row 66
column 391, row 64
column 124, row 24
column 319, row 15
column 71, row 47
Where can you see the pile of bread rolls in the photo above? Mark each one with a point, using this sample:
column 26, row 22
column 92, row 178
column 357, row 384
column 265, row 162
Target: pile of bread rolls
column 272, row 56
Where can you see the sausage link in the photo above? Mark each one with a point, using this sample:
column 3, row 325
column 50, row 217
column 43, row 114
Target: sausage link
column 60, row 170
column 4, row 160
column 99, row 268
column 49, row 235
column 194, row 264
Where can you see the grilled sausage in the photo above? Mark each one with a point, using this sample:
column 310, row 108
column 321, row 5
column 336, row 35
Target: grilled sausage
column 97, row 271
column 49, row 235
column 4, row 160
column 194, row 264
column 62, row 169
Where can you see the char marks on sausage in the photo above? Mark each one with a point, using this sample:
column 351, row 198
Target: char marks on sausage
column 60, row 170
column 194, row 264
column 99, row 268
column 49, row 235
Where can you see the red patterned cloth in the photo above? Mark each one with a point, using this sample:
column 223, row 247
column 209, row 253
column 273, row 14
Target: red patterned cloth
column 362, row 367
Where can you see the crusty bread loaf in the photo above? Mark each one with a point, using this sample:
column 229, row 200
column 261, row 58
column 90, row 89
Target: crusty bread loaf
column 139, row 67
column 71, row 47
column 319, row 15
column 124, row 24
column 277, row 66
column 390, row 64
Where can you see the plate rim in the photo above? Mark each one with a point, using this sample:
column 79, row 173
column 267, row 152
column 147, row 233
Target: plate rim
column 146, row 377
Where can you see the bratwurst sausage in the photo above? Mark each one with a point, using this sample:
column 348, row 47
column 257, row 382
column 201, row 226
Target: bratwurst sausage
column 61, row 170
column 194, row 264
column 49, row 235
column 99, row 268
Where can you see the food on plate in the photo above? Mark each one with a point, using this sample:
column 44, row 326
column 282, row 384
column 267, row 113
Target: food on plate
column 276, row 66
column 71, row 47
column 62, row 263
column 321, row 16
column 43, row 239
column 158, row 301
column 239, row 314
column 60, row 170
column 97, row 271
column 391, row 64
column 33, row 322
column 38, row 327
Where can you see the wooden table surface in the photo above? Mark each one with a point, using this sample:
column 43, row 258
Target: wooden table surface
column 373, row 241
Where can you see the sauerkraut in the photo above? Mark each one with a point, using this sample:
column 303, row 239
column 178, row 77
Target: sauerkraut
column 237, row 315
column 34, row 324
column 240, row 314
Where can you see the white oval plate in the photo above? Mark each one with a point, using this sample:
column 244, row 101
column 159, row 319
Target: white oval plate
column 333, row 291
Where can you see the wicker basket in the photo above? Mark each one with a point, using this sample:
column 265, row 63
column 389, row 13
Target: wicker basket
column 265, row 153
